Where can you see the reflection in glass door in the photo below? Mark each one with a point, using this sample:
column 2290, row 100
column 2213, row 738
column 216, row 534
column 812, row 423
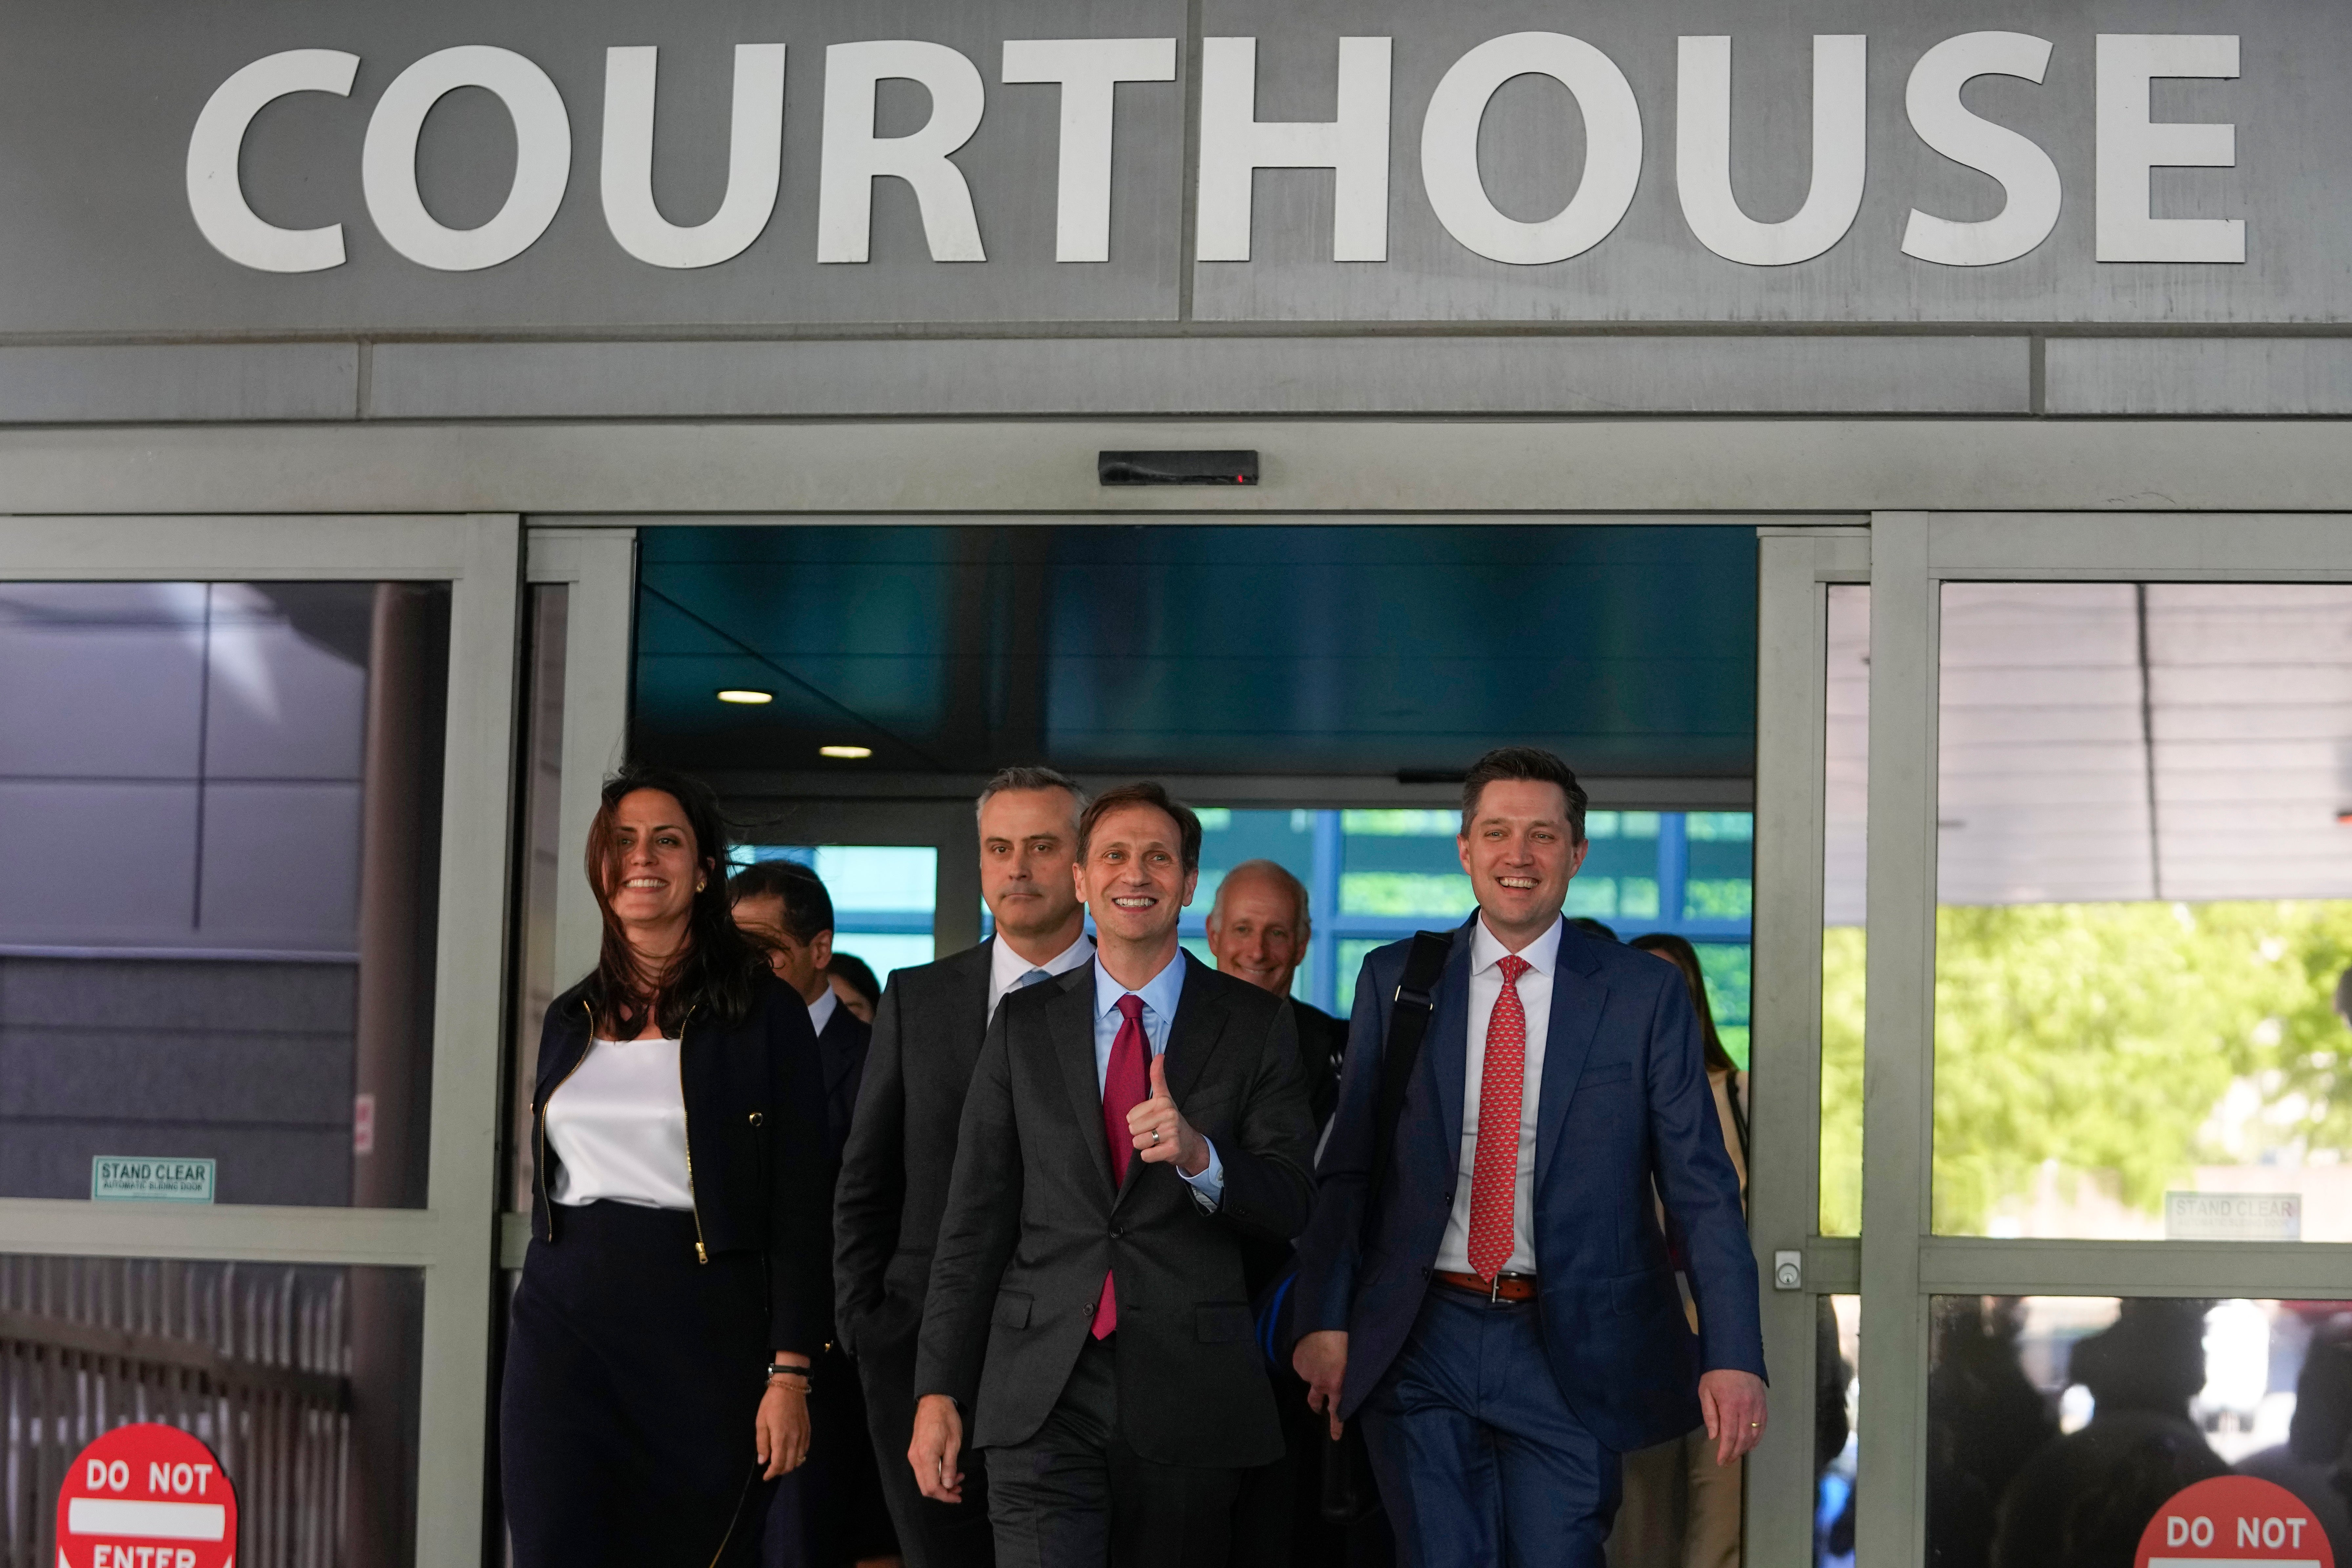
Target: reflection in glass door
column 216, row 934
column 2106, row 1218
column 2144, row 925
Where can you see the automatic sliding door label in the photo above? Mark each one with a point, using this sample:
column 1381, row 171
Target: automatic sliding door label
column 2234, row 1522
column 144, row 1179
column 2233, row 1217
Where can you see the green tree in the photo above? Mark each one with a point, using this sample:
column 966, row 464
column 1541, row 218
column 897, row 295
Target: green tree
column 2104, row 1038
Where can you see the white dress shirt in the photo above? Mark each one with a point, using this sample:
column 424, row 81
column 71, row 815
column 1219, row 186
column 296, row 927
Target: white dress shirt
column 618, row 1125
column 1005, row 967
column 1486, row 953
column 820, row 1010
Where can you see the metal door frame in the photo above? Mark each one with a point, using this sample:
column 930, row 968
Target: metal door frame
column 1904, row 1263
column 449, row 1240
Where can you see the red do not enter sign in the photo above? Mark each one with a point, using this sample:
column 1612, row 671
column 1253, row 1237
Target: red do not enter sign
column 146, row 1496
column 2234, row 1521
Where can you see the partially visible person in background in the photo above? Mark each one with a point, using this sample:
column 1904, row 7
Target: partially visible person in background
column 1985, row 1420
column 1593, row 928
column 2081, row 1501
column 833, row 1513
column 783, row 905
column 1259, row 926
column 678, row 1192
column 1258, row 930
column 1724, row 1074
column 854, row 982
column 2311, row 1462
column 1681, row 1510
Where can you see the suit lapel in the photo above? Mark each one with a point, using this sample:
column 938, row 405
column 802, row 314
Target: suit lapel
column 1194, row 1037
column 1196, row 1031
column 971, row 999
column 1578, row 997
column 1071, row 1018
column 1446, row 1049
column 838, row 1048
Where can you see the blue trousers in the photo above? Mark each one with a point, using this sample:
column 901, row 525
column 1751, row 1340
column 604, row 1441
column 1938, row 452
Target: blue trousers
column 1480, row 1460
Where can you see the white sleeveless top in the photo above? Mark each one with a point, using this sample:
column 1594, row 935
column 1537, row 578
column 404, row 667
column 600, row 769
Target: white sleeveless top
column 618, row 1127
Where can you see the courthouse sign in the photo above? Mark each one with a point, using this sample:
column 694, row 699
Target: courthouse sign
column 334, row 166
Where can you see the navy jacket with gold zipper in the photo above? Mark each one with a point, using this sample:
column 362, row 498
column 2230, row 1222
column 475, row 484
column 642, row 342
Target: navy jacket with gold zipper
column 755, row 1146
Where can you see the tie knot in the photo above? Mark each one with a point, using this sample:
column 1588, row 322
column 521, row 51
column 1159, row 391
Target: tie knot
column 1035, row 977
column 1513, row 966
column 1130, row 1008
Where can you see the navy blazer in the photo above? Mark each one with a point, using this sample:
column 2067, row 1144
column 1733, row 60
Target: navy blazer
column 841, row 1056
column 1624, row 1103
column 757, row 1168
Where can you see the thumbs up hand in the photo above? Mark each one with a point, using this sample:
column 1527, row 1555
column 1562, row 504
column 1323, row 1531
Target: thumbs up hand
column 1162, row 1134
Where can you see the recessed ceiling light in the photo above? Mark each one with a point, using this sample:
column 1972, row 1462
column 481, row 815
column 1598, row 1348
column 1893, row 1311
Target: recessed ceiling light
column 746, row 695
column 847, row 753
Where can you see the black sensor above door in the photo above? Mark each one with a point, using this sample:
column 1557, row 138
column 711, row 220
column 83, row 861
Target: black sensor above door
column 1235, row 467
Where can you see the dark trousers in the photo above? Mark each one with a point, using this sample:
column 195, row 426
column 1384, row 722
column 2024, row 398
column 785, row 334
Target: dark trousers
column 1076, row 1496
column 930, row 1534
column 632, row 1383
column 1480, row 1459
column 1278, row 1520
column 830, row 1513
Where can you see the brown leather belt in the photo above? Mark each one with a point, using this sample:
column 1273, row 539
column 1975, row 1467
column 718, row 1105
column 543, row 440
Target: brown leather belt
column 1505, row 1288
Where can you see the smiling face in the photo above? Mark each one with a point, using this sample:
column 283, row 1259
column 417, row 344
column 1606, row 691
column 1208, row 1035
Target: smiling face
column 1520, row 860
column 1028, row 840
column 1257, row 931
column 655, row 869
column 1133, row 878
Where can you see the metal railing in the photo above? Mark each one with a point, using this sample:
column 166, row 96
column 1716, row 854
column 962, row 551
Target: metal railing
column 255, row 1360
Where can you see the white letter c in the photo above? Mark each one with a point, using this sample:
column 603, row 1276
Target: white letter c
column 216, row 199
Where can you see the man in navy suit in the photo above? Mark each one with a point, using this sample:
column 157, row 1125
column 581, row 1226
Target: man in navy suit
column 834, row 1510
column 1504, row 1317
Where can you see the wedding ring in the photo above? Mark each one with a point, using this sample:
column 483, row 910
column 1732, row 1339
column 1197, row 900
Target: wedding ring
column 1155, row 1135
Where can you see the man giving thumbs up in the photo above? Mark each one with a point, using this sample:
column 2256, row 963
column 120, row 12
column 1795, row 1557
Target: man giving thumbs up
column 1088, row 1320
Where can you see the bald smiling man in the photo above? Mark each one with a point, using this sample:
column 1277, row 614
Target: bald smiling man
column 1258, row 930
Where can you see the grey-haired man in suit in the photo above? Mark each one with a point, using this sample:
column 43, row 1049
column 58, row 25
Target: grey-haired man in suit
column 902, row 1144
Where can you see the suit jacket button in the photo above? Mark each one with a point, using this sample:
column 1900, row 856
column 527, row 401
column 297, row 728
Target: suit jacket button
column 757, row 1119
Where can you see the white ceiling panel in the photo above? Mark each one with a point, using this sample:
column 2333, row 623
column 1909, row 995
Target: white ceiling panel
column 2067, row 707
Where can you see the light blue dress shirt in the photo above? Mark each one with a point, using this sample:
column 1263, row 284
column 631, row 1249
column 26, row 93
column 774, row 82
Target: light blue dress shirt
column 1160, row 995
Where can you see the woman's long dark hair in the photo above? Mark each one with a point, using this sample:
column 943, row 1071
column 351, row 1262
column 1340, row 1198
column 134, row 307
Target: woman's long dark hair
column 713, row 971
column 1684, row 957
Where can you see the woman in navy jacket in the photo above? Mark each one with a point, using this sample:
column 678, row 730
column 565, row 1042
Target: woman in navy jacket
column 677, row 1283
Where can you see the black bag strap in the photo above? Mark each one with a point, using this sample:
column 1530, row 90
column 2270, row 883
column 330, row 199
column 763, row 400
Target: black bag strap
column 1408, row 1022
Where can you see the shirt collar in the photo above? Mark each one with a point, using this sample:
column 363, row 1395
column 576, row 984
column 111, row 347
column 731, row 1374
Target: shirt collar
column 820, row 1010
column 1542, row 954
column 1006, row 967
column 1160, row 993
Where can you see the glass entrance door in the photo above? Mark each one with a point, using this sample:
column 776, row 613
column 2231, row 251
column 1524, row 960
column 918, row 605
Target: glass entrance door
column 254, row 789
column 2106, row 1238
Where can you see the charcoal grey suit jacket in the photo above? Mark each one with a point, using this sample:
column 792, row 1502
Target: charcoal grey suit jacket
column 927, row 1030
column 1034, row 1220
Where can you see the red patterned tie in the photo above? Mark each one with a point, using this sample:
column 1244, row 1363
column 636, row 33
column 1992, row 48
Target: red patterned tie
column 1502, row 1094
column 1127, row 1083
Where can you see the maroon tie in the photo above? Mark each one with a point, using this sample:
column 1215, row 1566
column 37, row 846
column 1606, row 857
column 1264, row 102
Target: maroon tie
column 1127, row 1083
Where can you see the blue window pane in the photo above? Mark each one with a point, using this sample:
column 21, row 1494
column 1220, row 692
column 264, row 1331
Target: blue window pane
column 1416, row 894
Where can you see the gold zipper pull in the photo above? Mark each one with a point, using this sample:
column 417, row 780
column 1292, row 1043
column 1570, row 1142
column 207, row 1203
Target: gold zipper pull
column 699, row 1254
